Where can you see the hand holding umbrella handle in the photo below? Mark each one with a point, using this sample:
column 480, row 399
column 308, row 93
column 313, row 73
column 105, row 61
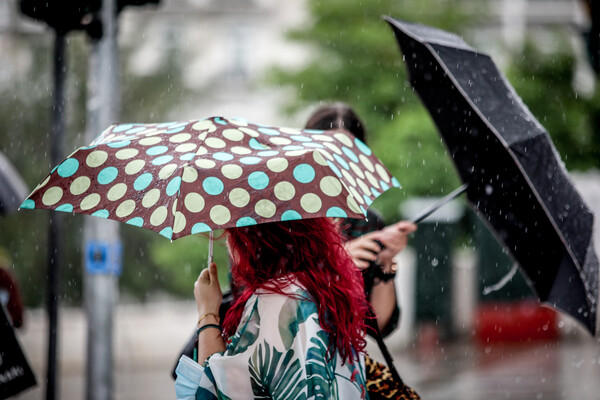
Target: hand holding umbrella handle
column 450, row 196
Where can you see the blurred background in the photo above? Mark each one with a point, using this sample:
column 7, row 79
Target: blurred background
column 274, row 62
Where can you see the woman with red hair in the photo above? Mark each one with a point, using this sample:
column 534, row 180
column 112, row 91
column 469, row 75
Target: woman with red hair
column 296, row 331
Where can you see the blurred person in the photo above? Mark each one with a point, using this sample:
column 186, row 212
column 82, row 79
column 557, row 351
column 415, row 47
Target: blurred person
column 297, row 328
column 10, row 294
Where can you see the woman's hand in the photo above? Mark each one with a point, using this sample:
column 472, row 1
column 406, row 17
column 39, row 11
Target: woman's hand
column 207, row 291
column 394, row 238
column 363, row 249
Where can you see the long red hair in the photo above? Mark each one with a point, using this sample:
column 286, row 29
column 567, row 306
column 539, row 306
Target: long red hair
column 312, row 251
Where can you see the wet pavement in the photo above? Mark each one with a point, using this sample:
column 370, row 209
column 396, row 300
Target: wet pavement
column 148, row 337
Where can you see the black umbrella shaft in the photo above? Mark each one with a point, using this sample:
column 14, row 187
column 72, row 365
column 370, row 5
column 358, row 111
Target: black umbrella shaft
column 56, row 218
column 450, row 196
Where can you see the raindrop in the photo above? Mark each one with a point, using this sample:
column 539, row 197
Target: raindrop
column 489, row 190
column 434, row 262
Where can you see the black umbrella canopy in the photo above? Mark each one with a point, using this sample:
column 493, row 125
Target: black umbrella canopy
column 12, row 188
column 516, row 181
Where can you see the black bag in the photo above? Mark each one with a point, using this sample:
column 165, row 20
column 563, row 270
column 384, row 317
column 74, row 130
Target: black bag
column 15, row 373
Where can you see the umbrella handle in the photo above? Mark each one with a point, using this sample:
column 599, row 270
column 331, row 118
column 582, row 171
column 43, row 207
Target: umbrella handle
column 210, row 247
column 450, row 196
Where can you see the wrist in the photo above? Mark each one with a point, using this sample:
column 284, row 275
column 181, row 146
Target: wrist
column 208, row 318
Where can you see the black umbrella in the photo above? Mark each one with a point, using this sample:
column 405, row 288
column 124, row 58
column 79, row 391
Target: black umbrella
column 12, row 188
column 516, row 181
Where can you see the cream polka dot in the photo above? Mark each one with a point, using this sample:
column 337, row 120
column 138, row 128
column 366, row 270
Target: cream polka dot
column 52, row 196
column 290, row 131
column 238, row 122
column 190, row 174
column 220, row 215
column 382, row 173
column 325, row 155
column 349, row 178
column 323, row 138
column 215, row 143
column 205, row 163
column 194, row 202
column 233, row 135
column 345, row 139
column 125, row 208
column 174, row 207
column 231, row 171
column 372, row 180
column 180, row 138
column 202, row 137
column 310, row 202
column 201, row 151
column 284, row 191
column 150, row 141
column 265, row 208
column 180, row 222
column 151, row 132
column 366, row 162
column 159, row 216
column 43, row 183
column 116, row 192
column 296, row 153
column 319, row 159
column 351, row 202
column 357, row 170
column 80, row 185
column 166, row 171
column 151, row 198
column 90, row 201
column 135, row 166
column 277, row 164
column 331, row 186
column 240, row 150
column 186, row 147
column 239, row 197
column 126, row 154
column 203, row 125
column 250, row 132
column 363, row 186
column 96, row 158
column 356, row 196
column 333, row 148
column 280, row 141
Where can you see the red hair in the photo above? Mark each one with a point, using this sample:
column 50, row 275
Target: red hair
column 312, row 251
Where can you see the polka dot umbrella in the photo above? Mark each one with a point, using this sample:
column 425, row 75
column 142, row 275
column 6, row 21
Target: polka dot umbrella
column 183, row 178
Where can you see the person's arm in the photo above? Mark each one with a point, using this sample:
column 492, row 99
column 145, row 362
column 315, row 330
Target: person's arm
column 208, row 300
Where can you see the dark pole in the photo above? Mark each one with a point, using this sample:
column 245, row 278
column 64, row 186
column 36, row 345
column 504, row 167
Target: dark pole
column 55, row 230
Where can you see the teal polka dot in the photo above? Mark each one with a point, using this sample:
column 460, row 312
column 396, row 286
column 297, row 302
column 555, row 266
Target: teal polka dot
column 200, row 227
column 334, row 212
column 136, row 130
column 220, row 121
column 213, row 186
column 142, row 181
column 28, row 204
column 367, row 200
column 121, row 128
column 187, row 156
column 250, row 160
column 156, row 150
column 300, row 138
column 167, row 232
column 341, row 161
column 65, row 207
column 177, row 129
column 350, row 154
column 290, row 215
column 395, row 182
column 292, row 147
column 304, row 173
column 222, row 156
column 173, row 186
column 258, row 180
column 313, row 131
column 101, row 213
column 362, row 147
column 384, row 186
column 107, row 175
column 68, row 167
column 269, row 131
column 363, row 210
column 375, row 192
column 334, row 169
column 256, row 145
column 162, row 160
column 245, row 221
column 136, row 221
column 119, row 144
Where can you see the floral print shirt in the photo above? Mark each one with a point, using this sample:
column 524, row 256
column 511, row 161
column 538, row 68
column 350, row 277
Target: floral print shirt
column 278, row 352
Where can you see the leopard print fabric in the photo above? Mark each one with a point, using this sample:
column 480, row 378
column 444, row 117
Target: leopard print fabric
column 381, row 384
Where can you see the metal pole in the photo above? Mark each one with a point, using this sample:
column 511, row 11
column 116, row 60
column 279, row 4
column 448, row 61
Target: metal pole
column 101, row 237
column 55, row 228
